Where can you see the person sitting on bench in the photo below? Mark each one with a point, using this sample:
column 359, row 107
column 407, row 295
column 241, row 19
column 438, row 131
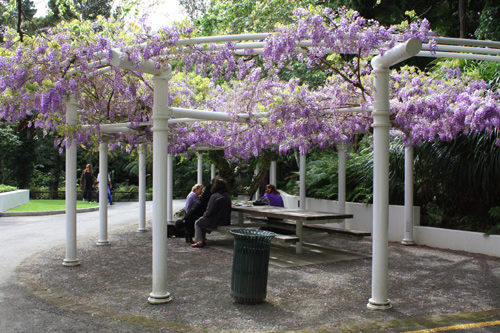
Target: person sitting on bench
column 272, row 197
column 193, row 197
column 184, row 227
column 218, row 212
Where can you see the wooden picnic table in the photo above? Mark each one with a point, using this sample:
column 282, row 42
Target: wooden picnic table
column 301, row 217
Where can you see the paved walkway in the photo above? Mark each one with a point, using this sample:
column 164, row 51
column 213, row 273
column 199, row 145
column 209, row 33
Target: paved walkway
column 108, row 292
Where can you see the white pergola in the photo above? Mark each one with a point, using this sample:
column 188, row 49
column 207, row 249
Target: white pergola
column 162, row 175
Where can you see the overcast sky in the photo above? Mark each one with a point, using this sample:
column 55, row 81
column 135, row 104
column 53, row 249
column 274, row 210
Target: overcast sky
column 161, row 12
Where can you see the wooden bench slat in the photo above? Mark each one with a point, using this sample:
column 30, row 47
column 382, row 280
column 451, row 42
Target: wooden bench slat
column 278, row 238
column 318, row 227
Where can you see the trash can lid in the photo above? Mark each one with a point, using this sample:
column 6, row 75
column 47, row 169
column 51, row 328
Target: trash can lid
column 252, row 233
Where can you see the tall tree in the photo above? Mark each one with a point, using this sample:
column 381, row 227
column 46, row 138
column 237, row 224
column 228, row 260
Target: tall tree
column 449, row 18
column 489, row 21
column 196, row 8
column 233, row 16
column 18, row 14
column 90, row 9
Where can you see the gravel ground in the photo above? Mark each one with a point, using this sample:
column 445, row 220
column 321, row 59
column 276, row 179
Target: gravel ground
column 426, row 286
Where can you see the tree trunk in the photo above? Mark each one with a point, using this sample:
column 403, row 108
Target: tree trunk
column 462, row 16
column 229, row 172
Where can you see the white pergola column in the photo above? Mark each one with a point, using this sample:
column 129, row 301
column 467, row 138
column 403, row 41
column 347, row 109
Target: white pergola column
column 302, row 182
column 142, row 187
column 257, row 192
column 380, row 241
column 272, row 174
column 200, row 169
column 71, row 119
column 212, row 172
column 342, row 182
column 170, row 188
column 381, row 113
column 161, row 115
column 103, row 192
column 302, row 200
column 408, row 229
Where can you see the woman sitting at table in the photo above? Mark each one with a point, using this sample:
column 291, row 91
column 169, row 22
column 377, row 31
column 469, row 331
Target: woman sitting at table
column 218, row 212
column 272, row 197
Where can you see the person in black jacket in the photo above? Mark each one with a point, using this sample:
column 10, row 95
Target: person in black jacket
column 218, row 212
column 186, row 224
column 87, row 183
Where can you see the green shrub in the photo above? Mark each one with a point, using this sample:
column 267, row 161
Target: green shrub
column 7, row 188
column 124, row 192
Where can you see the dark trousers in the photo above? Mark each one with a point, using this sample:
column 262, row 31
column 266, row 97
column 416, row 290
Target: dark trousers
column 87, row 194
column 109, row 196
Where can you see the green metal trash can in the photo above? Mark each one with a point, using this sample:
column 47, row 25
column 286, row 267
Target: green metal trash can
column 250, row 265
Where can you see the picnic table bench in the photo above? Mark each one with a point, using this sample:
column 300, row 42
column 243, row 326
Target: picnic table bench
column 279, row 238
column 291, row 219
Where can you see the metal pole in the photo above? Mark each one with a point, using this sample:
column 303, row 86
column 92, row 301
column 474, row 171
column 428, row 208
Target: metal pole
column 142, row 187
column 408, row 233
column 71, row 259
column 103, row 192
column 159, row 294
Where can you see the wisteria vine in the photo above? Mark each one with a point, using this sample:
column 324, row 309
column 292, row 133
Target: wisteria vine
column 38, row 75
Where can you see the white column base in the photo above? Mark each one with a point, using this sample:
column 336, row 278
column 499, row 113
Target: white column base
column 372, row 305
column 70, row 263
column 142, row 230
column 159, row 299
column 102, row 243
column 408, row 242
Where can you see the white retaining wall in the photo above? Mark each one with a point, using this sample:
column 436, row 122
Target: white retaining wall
column 362, row 220
column 469, row 241
column 9, row 200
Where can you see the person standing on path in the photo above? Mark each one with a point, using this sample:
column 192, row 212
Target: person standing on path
column 87, row 183
column 109, row 188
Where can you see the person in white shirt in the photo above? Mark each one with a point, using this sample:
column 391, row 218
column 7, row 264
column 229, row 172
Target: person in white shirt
column 109, row 188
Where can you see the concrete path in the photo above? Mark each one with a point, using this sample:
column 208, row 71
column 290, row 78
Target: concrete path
column 23, row 236
column 430, row 288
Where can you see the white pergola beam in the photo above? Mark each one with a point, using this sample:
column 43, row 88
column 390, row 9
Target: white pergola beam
column 464, row 41
column 221, row 39
column 397, row 54
column 120, row 60
column 463, row 49
column 454, row 55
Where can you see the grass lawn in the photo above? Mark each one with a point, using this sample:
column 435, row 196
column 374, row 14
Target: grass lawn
column 44, row 205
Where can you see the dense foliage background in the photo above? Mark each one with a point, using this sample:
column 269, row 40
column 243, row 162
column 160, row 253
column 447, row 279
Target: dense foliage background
column 457, row 183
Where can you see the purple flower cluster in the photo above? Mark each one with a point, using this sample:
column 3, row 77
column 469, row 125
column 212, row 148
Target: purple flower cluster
column 278, row 115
